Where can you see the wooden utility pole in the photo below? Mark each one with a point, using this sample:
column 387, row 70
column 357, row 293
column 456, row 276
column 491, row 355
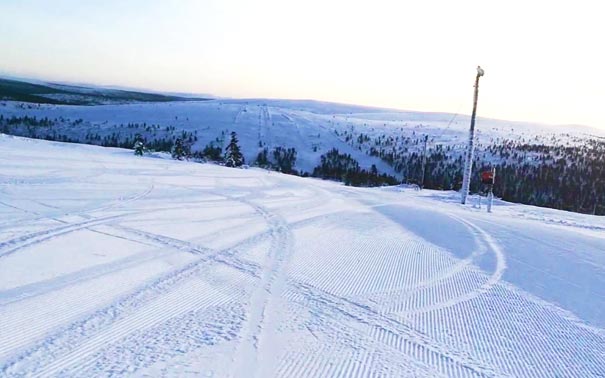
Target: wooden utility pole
column 468, row 164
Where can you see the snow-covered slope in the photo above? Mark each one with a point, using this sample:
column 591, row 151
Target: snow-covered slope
column 112, row 265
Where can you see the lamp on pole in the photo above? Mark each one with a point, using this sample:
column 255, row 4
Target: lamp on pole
column 468, row 164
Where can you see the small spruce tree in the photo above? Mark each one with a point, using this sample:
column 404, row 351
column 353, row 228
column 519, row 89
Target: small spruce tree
column 233, row 154
column 139, row 146
column 181, row 150
column 262, row 159
column 212, row 152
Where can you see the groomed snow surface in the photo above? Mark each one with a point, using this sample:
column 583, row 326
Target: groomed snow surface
column 113, row 265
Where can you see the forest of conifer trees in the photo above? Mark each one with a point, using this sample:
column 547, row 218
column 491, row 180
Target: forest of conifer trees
column 560, row 172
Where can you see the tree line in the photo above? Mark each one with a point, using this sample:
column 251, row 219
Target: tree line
column 559, row 171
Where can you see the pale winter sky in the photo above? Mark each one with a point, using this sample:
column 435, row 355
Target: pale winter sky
column 544, row 60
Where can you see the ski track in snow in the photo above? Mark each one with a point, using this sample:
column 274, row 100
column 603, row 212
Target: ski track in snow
column 285, row 276
column 162, row 284
column 272, row 277
column 11, row 246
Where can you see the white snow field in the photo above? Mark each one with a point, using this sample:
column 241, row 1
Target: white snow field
column 113, row 265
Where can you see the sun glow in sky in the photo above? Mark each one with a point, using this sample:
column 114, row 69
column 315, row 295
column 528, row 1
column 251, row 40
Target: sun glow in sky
column 544, row 60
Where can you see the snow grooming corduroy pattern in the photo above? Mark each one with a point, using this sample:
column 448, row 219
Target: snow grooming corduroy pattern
column 163, row 268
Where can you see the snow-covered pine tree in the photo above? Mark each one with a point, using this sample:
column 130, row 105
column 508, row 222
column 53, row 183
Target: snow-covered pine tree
column 262, row 159
column 139, row 146
column 285, row 158
column 233, row 154
column 212, row 152
column 180, row 150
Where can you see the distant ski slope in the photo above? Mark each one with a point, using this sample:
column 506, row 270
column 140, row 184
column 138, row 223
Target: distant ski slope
column 114, row 265
column 313, row 128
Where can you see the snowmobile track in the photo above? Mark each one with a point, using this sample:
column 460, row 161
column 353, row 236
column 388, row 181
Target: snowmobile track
column 62, row 348
column 249, row 355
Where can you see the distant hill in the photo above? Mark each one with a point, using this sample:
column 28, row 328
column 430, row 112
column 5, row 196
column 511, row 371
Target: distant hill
column 61, row 94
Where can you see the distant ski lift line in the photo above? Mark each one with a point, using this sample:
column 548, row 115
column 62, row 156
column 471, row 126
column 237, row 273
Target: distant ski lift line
column 468, row 164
